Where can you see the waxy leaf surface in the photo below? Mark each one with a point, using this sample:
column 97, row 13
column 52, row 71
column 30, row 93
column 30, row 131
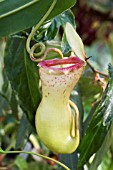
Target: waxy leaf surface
column 23, row 75
column 19, row 15
column 99, row 125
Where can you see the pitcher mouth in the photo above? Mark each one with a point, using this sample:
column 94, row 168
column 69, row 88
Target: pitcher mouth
column 66, row 64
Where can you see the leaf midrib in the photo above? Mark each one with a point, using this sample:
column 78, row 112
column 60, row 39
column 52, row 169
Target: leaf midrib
column 18, row 9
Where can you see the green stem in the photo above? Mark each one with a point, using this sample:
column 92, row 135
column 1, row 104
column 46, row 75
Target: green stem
column 36, row 28
column 33, row 153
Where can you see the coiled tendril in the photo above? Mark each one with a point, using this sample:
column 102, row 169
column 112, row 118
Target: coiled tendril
column 31, row 50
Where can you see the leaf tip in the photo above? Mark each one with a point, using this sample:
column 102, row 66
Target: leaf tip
column 1, row 150
column 75, row 41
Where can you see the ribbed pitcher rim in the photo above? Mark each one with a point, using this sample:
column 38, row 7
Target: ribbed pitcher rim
column 75, row 64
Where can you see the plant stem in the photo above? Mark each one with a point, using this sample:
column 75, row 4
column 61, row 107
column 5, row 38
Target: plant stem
column 33, row 153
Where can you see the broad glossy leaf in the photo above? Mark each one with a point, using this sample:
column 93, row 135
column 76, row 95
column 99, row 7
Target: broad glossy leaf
column 103, row 150
column 4, row 104
column 65, row 17
column 99, row 125
column 23, row 133
column 23, row 75
column 14, row 103
column 49, row 29
column 52, row 31
column 19, row 15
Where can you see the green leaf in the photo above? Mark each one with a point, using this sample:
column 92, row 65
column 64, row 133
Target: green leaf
column 4, row 104
column 64, row 45
column 52, row 31
column 38, row 166
column 69, row 160
column 49, row 29
column 76, row 98
column 21, row 163
column 2, row 47
column 87, row 85
column 14, row 103
column 98, row 59
column 67, row 16
column 103, row 150
column 99, row 125
column 1, row 150
column 89, row 90
column 23, row 133
column 111, row 166
column 23, row 75
column 20, row 15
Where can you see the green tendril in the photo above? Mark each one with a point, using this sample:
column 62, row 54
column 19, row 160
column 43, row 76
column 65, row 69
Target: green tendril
column 41, row 45
column 33, row 48
column 33, row 153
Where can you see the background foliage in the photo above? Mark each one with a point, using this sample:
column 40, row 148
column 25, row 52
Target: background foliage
column 20, row 92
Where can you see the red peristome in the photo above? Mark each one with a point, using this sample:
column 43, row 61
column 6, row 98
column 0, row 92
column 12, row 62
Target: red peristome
column 75, row 61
